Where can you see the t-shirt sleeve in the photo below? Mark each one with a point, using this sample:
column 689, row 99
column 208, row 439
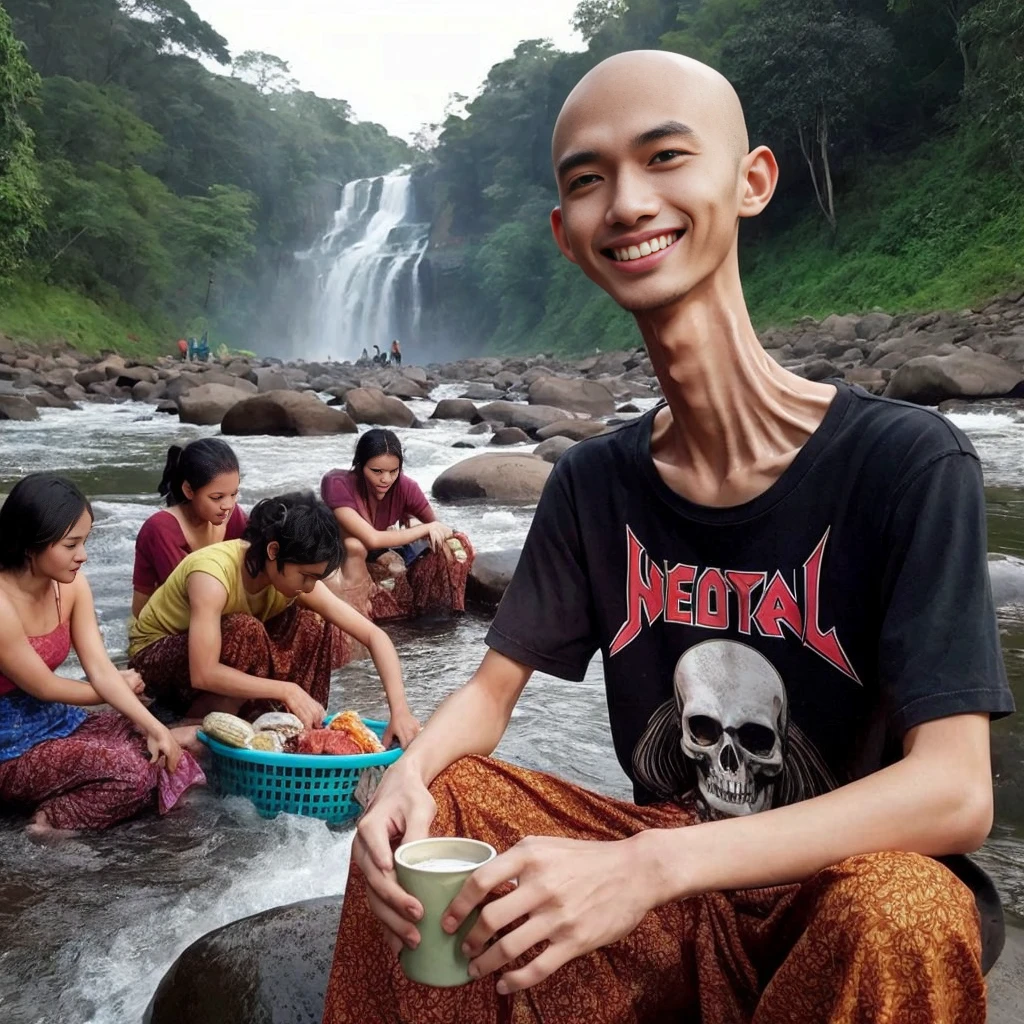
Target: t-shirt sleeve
column 546, row 619
column 236, row 524
column 336, row 490
column 158, row 550
column 939, row 651
column 414, row 501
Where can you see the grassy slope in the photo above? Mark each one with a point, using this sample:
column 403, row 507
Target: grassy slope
column 41, row 313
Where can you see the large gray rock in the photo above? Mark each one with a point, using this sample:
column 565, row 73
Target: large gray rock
column 842, row 328
column 371, row 405
column 286, row 414
column 267, row 379
column 239, row 383
column 553, row 448
column 482, row 392
column 497, row 476
column 575, row 430
column 16, row 407
column 526, row 417
column 400, row 386
column 132, row 375
column 207, row 404
column 586, row 396
column 872, row 325
column 270, row 968
column 491, row 573
column 929, row 380
column 455, row 409
column 509, row 435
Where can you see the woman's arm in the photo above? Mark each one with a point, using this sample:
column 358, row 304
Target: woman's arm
column 353, row 524
column 403, row 725
column 207, row 598
column 20, row 663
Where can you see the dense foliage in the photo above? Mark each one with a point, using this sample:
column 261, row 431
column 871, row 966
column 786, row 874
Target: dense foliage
column 155, row 183
column 897, row 125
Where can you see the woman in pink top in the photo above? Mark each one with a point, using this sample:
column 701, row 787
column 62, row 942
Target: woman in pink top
column 200, row 483
column 69, row 769
column 397, row 560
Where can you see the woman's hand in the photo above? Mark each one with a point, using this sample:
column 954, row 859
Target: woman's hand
column 437, row 534
column 163, row 748
column 401, row 810
column 402, row 727
column 134, row 681
column 300, row 704
column 575, row 895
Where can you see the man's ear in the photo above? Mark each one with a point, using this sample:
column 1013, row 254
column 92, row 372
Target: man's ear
column 760, row 174
column 561, row 239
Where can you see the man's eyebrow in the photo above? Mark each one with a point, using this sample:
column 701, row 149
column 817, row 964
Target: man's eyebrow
column 662, row 131
column 577, row 159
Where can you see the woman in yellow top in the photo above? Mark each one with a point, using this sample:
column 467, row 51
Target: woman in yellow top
column 244, row 624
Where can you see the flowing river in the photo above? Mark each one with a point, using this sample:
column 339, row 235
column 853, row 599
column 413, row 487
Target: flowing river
column 89, row 924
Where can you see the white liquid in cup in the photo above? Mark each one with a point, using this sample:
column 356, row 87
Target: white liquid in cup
column 446, row 864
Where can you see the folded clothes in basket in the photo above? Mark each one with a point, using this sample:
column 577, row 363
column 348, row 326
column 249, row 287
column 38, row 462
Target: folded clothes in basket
column 327, row 741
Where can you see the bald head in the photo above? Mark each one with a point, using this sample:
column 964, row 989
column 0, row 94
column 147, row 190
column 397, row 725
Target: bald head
column 672, row 89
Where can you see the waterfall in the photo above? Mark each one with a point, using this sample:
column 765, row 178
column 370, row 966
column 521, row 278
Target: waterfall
column 367, row 288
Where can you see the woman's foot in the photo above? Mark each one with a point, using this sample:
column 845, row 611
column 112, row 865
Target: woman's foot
column 39, row 827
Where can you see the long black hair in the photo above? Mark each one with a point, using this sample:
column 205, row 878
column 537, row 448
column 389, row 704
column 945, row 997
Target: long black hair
column 196, row 464
column 377, row 442
column 303, row 527
column 39, row 511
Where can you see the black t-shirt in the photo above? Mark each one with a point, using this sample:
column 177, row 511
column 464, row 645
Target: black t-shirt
column 765, row 653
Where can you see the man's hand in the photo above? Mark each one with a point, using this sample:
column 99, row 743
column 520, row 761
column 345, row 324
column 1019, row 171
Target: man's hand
column 576, row 895
column 401, row 809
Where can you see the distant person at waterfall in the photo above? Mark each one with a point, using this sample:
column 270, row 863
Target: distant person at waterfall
column 248, row 625
column 398, row 559
column 396, row 353
column 787, row 583
column 200, row 485
column 183, row 349
column 364, row 357
column 67, row 768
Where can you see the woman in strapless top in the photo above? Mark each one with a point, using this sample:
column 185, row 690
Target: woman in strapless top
column 68, row 768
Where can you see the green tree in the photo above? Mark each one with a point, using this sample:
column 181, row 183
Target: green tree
column 807, row 73
column 263, row 70
column 21, row 200
column 591, row 16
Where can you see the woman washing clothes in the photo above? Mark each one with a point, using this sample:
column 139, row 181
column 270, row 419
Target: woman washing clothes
column 393, row 573
column 70, row 769
column 200, row 484
column 246, row 625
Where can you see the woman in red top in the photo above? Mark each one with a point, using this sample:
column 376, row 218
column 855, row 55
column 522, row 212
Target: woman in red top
column 392, row 537
column 200, row 483
column 70, row 769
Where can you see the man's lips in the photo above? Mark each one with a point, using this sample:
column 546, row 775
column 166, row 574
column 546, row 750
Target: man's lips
column 635, row 261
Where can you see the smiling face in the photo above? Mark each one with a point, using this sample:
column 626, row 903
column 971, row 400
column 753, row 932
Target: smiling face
column 380, row 474
column 214, row 502
column 650, row 155
column 62, row 560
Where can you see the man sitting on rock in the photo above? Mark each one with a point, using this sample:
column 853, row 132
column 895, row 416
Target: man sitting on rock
column 787, row 582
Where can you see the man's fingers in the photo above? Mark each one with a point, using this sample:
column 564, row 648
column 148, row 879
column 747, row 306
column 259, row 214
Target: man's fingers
column 503, row 868
column 510, row 947
column 535, row 971
column 397, row 929
column 493, row 917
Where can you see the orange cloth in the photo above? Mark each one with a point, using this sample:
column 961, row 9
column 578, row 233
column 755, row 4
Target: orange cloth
column 327, row 741
column 889, row 938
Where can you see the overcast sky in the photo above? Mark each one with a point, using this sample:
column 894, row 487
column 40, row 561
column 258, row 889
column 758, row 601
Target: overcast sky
column 395, row 61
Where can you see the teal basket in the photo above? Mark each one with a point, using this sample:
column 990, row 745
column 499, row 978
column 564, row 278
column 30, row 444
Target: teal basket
column 316, row 785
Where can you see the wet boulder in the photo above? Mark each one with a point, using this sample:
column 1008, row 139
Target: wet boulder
column 575, row 430
column 504, row 476
column 267, row 378
column 491, row 574
column 131, row 375
column 207, row 404
column 454, row 409
column 553, row 448
column 17, row 407
column 371, row 405
column 526, row 417
column 585, row 396
column 931, row 379
column 270, row 968
column 509, row 435
column 401, row 386
column 286, row 414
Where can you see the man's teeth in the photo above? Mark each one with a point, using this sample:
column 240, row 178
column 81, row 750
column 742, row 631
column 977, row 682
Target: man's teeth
column 634, row 252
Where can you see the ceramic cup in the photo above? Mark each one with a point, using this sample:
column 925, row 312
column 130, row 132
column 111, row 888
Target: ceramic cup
column 433, row 871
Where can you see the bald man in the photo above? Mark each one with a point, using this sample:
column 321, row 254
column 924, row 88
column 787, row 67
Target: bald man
column 787, row 584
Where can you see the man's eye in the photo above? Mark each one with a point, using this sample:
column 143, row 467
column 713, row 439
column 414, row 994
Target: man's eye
column 582, row 181
column 665, row 155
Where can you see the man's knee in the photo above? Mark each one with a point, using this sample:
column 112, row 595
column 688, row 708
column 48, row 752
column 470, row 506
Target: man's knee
column 902, row 900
